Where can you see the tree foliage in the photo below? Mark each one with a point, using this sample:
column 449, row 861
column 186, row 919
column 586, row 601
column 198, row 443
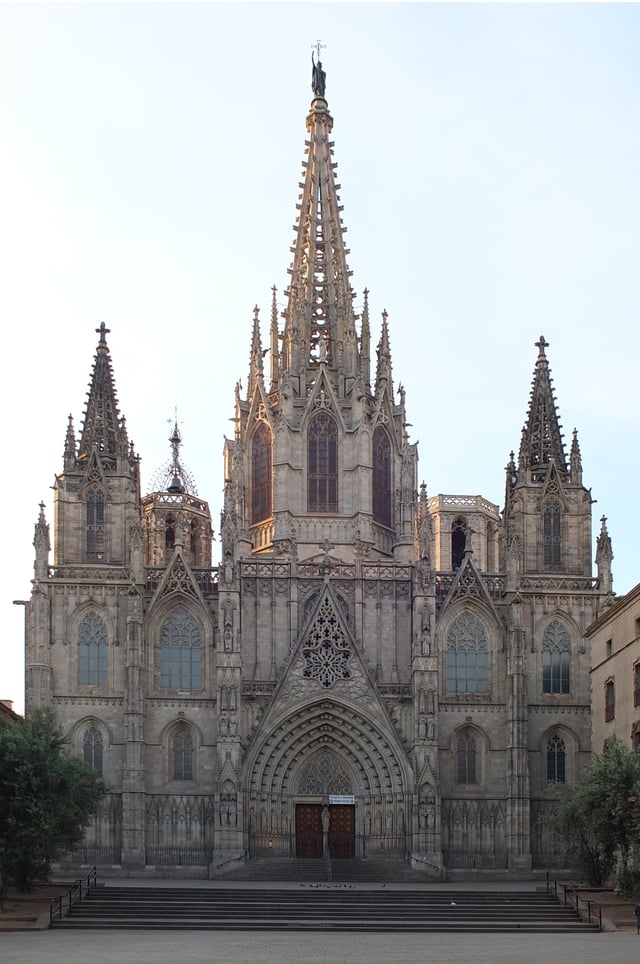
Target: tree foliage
column 600, row 817
column 47, row 799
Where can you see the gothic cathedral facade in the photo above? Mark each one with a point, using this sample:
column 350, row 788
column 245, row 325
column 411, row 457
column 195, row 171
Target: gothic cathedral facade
column 407, row 674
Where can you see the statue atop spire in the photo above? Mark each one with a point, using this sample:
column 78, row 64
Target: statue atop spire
column 318, row 75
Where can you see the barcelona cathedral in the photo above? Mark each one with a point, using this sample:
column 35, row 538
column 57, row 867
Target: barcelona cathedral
column 370, row 671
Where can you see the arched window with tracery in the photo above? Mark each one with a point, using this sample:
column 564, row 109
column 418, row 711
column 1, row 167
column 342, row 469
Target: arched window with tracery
column 467, row 656
column 92, row 746
column 92, row 651
column 551, row 534
column 458, row 541
column 180, row 652
column 556, row 760
column 261, row 474
column 322, row 464
column 381, row 477
column 556, row 653
column 466, row 759
column 95, row 529
column 181, row 754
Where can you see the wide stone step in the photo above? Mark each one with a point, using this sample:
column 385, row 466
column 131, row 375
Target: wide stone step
column 338, row 908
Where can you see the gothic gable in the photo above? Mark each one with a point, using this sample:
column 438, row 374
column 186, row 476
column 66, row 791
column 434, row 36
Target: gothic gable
column 323, row 399
column 178, row 578
column 553, row 484
column 326, row 661
column 468, row 585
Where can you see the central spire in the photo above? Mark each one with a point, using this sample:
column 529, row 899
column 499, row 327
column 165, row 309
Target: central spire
column 320, row 322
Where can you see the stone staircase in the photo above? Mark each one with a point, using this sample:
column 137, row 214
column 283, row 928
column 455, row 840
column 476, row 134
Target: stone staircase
column 322, row 907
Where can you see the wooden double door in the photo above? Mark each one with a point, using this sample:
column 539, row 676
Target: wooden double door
column 341, row 837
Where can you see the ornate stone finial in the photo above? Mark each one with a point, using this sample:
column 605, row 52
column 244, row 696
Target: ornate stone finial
column 318, row 75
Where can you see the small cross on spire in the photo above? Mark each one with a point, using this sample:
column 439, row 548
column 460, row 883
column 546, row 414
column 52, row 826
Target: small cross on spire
column 541, row 345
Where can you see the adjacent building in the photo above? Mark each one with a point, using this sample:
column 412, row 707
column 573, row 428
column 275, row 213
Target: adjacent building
column 615, row 677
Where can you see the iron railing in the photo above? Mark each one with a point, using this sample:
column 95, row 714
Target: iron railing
column 80, row 888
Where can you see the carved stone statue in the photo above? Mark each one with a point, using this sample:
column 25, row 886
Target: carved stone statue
column 318, row 78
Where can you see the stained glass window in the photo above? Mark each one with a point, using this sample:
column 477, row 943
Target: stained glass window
column 180, row 652
column 381, row 477
column 322, row 465
column 92, row 651
column 556, row 650
column 467, row 656
column 261, row 474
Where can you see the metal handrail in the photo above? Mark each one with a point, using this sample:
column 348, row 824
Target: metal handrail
column 80, row 888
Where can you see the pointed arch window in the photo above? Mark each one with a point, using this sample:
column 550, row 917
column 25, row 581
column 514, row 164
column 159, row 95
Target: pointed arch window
column 92, row 651
column 261, row 474
column 322, row 464
column 551, row 531
column 467, row 759
column 92, row 745
column 381, row 477
column 181, row 762
column 467, row 656
column 556, row 760
column 95, row 531
column 180, row 652
column 556, row 653
column 458, row 541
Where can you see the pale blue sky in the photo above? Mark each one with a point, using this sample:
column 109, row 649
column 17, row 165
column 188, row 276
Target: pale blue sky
column 149, row 162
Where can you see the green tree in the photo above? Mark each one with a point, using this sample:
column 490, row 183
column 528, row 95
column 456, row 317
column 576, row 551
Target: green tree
column 47, row 799
column 600, row 817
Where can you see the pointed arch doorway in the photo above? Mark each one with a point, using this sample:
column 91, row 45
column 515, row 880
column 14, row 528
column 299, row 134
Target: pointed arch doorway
column 326, row 823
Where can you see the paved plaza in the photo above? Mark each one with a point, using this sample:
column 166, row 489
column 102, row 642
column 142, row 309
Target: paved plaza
column 235, row 947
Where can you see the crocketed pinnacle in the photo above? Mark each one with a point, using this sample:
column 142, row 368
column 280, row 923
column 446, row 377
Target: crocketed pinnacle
column 383, row 367
column 604, row 550
column 274, row 336
column 320, row 320
column 41, row 539
column 541, row 436
column 102, row 431
column 575, row 459
column 256, row 367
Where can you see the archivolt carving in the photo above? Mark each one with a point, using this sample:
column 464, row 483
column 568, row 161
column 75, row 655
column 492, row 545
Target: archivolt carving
column 354, row 740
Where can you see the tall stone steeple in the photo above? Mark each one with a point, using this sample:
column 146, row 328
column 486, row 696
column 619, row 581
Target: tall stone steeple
column 542, row 439
column 547, row 514
column 320, row 320
column 103, row 431
column 97, row 498
column 318, row 452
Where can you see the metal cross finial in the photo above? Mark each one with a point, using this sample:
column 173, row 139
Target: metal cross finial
column 542, row 344
column 318, row 46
